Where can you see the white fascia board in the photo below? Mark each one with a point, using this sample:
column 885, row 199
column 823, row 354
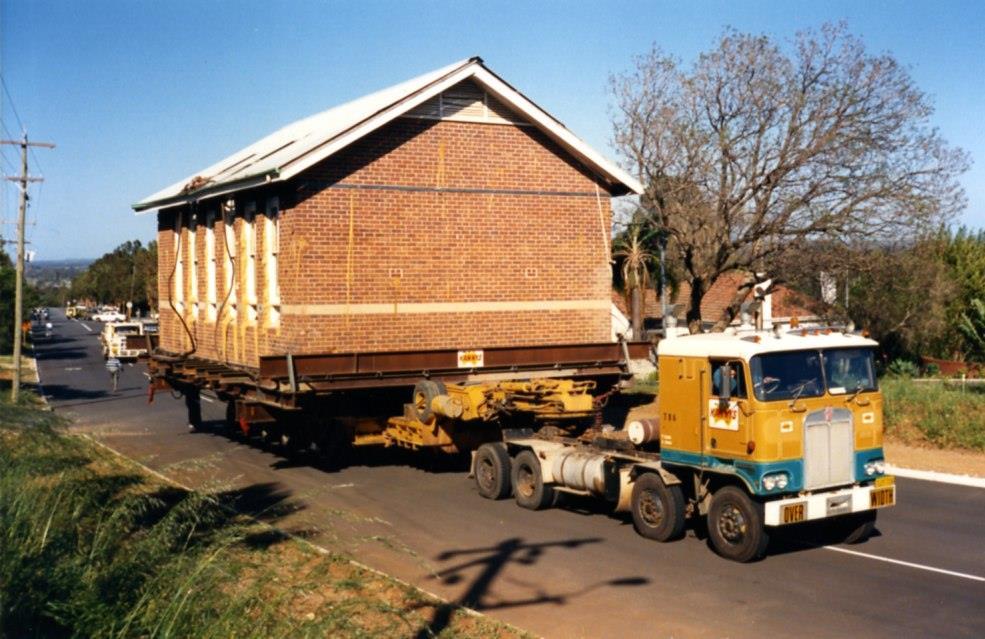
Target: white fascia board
column 328, row 148
column 556, row 130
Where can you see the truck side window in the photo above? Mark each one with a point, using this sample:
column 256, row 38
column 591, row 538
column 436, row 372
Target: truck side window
column 737, row 379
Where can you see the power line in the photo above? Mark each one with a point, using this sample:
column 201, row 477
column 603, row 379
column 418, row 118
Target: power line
column 12, row 106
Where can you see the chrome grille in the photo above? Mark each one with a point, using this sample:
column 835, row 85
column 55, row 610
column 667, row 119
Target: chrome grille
column 829, row 448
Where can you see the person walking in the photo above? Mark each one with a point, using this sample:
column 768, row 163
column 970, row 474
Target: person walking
column 114, row 366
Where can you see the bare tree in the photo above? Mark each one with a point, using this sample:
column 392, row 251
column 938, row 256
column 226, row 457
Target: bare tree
column 752, row 152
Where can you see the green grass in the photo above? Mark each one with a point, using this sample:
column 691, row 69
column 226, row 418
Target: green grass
column 648, row 385
column 944, row 415
column 92, row 547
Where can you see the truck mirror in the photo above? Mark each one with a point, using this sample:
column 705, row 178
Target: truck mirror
column 724, row 384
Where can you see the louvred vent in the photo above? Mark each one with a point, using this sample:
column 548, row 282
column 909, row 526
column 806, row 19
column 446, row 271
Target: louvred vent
column 466, row 102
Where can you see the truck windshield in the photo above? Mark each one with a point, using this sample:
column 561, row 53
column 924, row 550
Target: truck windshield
column 795, row 374
column 848, row 370
column 787, row 375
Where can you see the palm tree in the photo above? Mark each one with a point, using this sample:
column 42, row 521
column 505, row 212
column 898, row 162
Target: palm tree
column 636, row 262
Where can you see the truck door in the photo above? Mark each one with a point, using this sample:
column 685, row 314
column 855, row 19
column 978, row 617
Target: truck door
column 727, row 428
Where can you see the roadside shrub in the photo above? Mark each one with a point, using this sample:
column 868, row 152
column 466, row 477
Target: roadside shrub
column 902, row 368
column 941, row 413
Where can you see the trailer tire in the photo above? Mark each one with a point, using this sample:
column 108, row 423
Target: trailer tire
column 493, row 469
column 529, row 488
column 658, row 509
column 424, row 393
column 735, row 525
column 857, row 527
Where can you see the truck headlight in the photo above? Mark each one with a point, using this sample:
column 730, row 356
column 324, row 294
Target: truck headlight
column 875, row 466
column 775, row 480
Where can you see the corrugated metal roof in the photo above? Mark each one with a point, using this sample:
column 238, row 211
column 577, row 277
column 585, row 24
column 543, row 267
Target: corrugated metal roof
column 294, row 148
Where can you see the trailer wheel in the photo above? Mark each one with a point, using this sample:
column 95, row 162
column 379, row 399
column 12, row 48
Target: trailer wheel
column 529, row 488
column 855, row 528
column 424, row 392
column 658, row 509
column 493, row 470
column 735, row 525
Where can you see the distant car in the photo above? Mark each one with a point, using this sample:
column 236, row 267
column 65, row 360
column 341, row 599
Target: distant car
column 109, row 316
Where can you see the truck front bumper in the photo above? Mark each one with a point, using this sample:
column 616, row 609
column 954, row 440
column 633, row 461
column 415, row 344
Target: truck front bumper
column 824, row 504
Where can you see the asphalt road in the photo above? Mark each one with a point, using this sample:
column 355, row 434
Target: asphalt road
column 566, row 572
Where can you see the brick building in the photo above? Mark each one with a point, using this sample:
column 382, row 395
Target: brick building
column 448, row 211
column 783, row 304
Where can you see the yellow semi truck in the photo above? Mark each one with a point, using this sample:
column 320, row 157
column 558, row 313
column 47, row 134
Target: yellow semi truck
column 756, row 431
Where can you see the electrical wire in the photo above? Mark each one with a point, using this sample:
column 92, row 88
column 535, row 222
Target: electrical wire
column 10, row 98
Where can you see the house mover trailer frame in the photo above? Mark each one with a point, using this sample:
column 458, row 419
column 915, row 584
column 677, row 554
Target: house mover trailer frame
column 428, row 267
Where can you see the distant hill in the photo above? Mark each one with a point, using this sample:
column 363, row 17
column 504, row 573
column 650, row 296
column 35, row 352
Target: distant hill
column 54, row 272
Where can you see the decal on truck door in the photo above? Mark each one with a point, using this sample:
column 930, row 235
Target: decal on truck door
column 723, row 417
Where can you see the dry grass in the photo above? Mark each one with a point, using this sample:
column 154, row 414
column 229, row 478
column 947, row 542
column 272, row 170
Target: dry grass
column 90, row 546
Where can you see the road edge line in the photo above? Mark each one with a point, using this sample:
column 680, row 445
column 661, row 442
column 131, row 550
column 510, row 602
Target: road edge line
column 321, row 550
column 908, row 564
column 935, row 476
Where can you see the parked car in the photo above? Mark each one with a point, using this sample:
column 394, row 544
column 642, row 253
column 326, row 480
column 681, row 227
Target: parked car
column 107, row 315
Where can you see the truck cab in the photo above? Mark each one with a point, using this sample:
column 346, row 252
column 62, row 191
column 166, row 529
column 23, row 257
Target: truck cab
column 792, row 420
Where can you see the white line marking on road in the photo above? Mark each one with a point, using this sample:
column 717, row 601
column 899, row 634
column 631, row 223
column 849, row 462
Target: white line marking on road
column 952, row 573
column 933, row 475
column 73, row 368
column 206, row 399
column 86, row 327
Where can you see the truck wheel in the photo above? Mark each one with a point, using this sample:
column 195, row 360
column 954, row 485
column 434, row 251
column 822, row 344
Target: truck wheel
column 528, row 483
column 735, row 525
column 658, row 509
column 857, row 527
column 425, row 391
column 492, row 471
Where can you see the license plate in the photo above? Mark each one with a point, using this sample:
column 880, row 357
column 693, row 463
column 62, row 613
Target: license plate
column 792, row 513
column 881, row 497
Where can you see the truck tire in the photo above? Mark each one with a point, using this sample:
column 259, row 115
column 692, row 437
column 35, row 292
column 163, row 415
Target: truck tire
column 735, row 525
column 424, row 392
column 529, row 488
column 493, row 470
column 658, row 509
column 855, row 528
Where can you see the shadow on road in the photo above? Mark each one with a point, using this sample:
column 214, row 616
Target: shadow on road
column 69, row 396
column 491, row 562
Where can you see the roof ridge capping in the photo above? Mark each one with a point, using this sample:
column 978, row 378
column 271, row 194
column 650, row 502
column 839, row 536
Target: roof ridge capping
column 299, row 145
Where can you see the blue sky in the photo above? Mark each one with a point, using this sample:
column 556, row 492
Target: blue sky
column 138, row 94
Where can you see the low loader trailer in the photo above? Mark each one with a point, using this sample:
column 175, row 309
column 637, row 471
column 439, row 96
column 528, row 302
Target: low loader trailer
column 755, row 430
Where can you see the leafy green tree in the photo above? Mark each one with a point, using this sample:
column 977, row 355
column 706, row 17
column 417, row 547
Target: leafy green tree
column 127, row 273
column 972, row 328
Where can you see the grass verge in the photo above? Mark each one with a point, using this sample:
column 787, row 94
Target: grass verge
column 91, row 546
column 944, row 415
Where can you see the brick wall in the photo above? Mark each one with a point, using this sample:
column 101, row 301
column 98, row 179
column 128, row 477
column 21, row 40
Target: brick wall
column 471, row 217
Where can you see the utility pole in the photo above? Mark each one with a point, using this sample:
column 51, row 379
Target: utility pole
column 23, row 179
